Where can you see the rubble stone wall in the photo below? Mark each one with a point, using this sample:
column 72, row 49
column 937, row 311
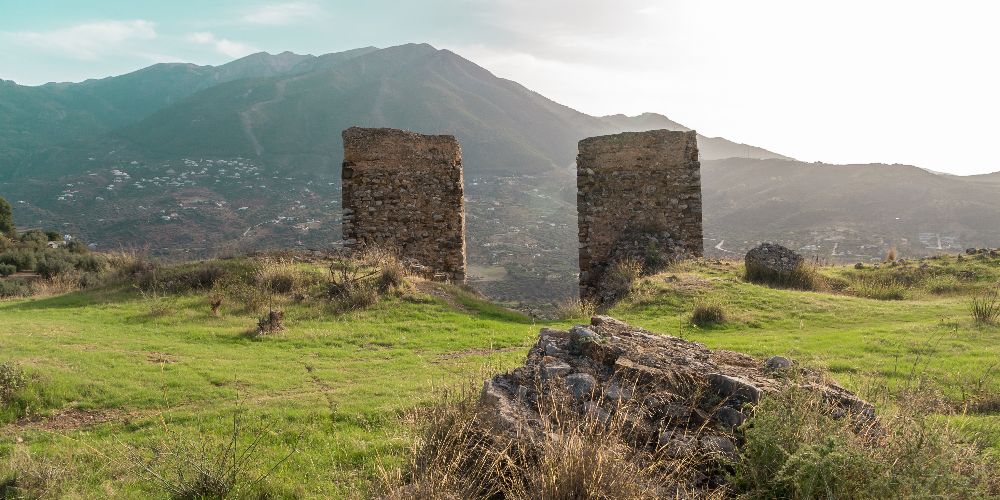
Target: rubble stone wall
column 404, row 191
column 638, row 196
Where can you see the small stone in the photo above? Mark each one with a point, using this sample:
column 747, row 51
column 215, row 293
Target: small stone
column 554, row 368
column 729, row 417
column 775, row 363
column 718, row 444
column 616, row 393
column 677, row 445
column 594, row 411
column 581, row 385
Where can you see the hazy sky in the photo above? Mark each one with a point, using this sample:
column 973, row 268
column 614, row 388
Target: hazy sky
column 846, row 81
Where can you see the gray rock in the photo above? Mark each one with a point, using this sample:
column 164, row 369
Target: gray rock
column 616, row 393
column 718, row 444
column 771, row 262
column 593, row 411
column 729, row 417
column 677, row 445
column 556, row 368
column 775, row 363
column 581, row 385
column 734, row 388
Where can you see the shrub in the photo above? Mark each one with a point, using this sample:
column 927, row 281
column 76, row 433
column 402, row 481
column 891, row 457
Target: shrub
column 52, row 266
column 34, row 239
column 359, row 282
column 891, row 255
column 985, row 307
column 878, row 287
column 795, row 449
column 14, row 288
column 215, row 300
column 12, row 381
column 272, row 322
column 803, row 277
column 198, row 465
column 617, row 281
column 7, row 270
column 24, row 260
column 943, row 284
column 34, row 478
column 708, row 315
column 573, row 307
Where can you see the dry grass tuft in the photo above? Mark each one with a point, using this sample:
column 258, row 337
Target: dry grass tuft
column 463, row 452
column 708, row 314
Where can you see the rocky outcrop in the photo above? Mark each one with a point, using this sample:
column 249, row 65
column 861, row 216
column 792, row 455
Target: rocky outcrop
column 679, row 396
column 404, row 191
column 639, row 197
column 773, row 263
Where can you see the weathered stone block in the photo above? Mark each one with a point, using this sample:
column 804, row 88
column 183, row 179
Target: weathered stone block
column 404, row 191
column 638, row 196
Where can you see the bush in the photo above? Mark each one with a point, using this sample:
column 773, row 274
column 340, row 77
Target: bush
column 985, row 307
column 878, row 287
column 573, row 308
column 14, row 288
column 7, row 270
column 51, row 266
column 12, row 381
column 943, row 284
column 198, row 465
column 708, row 315
column 24, row 260
column 34, row 478
column 617, row 281
column 803, row 277
column 795, row 449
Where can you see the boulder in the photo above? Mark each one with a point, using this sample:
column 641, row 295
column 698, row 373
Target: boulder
column 770, row 262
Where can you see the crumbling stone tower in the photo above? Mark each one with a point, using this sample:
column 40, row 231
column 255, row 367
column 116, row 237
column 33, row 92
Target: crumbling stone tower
column 638, row 197
column 404, row 191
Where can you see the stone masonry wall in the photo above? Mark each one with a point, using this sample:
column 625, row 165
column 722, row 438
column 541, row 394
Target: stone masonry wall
column 404, row 191
column 639, row 196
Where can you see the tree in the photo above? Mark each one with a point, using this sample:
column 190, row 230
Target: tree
column 6, row 218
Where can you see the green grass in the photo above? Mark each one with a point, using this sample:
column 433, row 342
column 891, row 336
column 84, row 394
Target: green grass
column 340, row 385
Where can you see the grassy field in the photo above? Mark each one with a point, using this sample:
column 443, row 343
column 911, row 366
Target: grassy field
column 121, row 379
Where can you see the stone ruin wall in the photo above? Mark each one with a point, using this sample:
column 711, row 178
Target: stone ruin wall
column 404, row 191
column 637, row 192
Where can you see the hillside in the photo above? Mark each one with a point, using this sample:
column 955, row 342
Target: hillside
column 863, row 209
column 117, row 374
column 186, row 160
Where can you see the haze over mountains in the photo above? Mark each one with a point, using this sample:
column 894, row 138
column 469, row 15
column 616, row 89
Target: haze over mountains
column 187, row 158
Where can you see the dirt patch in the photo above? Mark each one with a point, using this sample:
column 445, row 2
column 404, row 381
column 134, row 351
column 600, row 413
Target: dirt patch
column 160, row 358
column 687, row 283
column 66, row 420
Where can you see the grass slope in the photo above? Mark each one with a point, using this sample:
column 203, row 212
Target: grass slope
column 116, row 370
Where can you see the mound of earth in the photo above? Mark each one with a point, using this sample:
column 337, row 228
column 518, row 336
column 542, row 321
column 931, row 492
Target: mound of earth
column 679, row 397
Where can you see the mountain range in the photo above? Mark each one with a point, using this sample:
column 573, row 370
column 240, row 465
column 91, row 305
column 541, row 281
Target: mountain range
column 191, row 159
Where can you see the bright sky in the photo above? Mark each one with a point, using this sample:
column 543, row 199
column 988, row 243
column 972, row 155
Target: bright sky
column 848, row 81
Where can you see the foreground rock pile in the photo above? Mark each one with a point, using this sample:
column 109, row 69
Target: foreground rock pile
column 677, row 397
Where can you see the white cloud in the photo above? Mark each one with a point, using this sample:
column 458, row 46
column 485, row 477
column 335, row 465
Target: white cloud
column 88, row 41
column 281, row 14
column 222, row 45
